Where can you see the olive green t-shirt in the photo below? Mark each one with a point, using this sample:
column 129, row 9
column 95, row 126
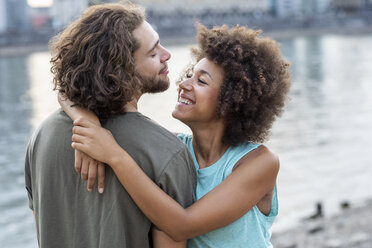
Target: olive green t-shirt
column 68, row 216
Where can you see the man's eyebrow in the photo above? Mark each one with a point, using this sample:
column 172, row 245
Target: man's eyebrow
column 152, row 49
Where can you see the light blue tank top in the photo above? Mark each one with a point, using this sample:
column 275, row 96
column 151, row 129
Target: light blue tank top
column 252, row 230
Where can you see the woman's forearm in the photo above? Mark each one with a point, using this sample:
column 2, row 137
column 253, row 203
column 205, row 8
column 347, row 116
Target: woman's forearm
column 162, row 240
column 160, row 208
column 75, row 112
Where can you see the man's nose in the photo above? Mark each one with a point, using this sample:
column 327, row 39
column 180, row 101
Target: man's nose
column 165, row 55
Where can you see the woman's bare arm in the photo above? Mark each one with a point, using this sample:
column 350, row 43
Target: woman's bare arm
column 75, row 112
column 238, row 193
column 89, row 168
column 162, row 240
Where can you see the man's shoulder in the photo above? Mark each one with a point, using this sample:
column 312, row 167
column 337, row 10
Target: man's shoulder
column 153, row 147
column 56, row 122
column 58, row 117
column 144, row 130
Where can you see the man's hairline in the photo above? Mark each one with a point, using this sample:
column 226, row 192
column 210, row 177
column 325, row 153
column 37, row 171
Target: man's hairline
column 138, row 43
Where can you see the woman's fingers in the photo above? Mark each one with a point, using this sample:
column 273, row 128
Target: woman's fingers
column 101, row 177
column 78, row 138
column 78, row 161
column 97, row 142
column 89, row 168
column 81, row 148
column 92, row 174
column 84, row 170
column 81, row 143
column 83, row 131
column 83, row 122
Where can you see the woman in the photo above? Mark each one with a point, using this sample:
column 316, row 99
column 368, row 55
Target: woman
column 229, row 99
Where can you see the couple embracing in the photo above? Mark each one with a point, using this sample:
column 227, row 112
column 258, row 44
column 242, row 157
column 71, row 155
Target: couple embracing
column 214, row 188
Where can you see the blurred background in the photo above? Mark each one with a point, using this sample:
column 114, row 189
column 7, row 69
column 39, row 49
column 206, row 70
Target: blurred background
column 323, row 138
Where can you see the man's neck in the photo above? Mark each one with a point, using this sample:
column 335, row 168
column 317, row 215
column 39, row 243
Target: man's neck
column 132, row 105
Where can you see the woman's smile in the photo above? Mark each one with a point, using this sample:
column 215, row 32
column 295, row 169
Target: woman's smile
column 185, row 99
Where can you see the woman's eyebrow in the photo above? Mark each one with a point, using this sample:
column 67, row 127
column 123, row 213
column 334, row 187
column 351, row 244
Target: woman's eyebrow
column 205, row 72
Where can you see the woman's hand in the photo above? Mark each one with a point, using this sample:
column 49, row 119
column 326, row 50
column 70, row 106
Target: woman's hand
column 95, row 141
column 90, row 169
column 84, row 165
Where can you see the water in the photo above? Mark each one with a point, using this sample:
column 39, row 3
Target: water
column 323, row 138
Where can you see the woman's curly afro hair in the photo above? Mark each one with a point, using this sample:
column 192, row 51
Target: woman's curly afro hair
column 256, row 82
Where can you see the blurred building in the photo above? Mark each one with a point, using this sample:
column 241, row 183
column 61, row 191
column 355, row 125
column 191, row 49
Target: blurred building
column 300, row 8
column 285, row 8
column 348, row 4
column 14, row 16
column 65, row 11
column 41, row 19
column 2, row 17
column 368, row 4
column 197, row 6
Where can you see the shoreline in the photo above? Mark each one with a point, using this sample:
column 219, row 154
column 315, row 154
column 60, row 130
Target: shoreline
column 350, row 228
column 21, row 49
column 6, row 51
column 284, row 34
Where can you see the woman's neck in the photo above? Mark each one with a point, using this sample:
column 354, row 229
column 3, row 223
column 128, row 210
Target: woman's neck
column 207, row 143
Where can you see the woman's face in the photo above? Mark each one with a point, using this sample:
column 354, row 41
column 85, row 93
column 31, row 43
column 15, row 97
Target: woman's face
column 198, row 94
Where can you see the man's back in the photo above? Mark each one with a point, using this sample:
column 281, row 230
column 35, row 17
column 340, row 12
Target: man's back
column 69, row 216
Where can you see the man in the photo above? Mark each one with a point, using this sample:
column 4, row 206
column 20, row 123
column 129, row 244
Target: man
column 104, row 62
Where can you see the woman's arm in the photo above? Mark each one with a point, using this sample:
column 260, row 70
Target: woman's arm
column 162, row 240
column 89, row 168
column 75, row 112
column 237, row 194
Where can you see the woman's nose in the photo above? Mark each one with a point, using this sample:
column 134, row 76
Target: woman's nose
column 186, row 84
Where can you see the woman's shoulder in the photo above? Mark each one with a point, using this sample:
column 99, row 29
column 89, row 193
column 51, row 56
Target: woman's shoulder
column 261, row 158
column 265, row 152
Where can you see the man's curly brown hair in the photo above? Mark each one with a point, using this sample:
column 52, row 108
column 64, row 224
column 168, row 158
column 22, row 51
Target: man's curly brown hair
column 256, row 81
column 93, row 58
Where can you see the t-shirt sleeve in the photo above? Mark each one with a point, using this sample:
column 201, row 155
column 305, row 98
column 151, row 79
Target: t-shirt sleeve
column 178, row 179
column 28, row 183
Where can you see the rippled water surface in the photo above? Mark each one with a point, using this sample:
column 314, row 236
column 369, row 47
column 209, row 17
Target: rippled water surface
column 323, row 138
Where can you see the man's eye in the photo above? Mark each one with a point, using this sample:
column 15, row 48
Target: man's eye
column 201, row 81
column 153, row 55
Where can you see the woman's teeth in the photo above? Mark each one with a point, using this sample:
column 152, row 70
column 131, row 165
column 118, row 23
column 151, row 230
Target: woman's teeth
column 184, row 101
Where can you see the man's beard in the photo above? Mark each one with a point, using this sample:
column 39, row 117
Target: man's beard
column 152, row 85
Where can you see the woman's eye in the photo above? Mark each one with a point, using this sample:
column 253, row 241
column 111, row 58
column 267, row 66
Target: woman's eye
column 201, row 81
column 153, row 55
